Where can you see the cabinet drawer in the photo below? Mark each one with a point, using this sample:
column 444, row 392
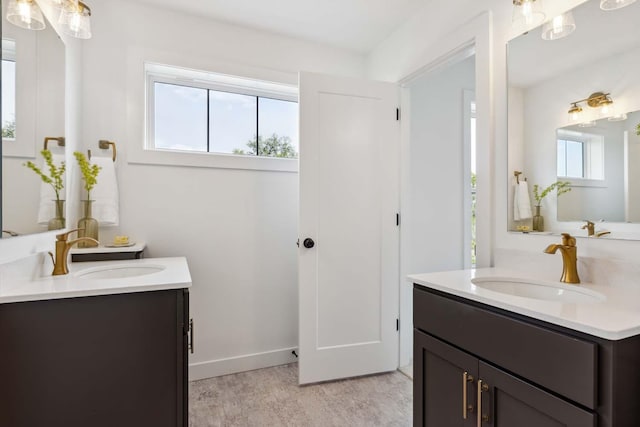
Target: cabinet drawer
column 552, row 360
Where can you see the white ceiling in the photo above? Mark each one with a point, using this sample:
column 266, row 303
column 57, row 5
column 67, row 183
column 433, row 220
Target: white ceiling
column 598, row 35
column 352, row 24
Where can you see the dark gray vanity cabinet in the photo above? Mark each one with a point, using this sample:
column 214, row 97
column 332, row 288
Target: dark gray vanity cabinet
column 513, row 371
column 101, row 361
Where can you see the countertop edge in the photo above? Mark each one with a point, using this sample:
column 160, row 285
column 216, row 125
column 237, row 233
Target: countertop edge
column 545, row 317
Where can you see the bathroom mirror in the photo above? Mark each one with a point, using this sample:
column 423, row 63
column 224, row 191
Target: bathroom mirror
column 33, row 108
column 596, row 149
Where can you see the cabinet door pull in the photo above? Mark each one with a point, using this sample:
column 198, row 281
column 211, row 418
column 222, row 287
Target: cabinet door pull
column 482, row 387
column 191, row 343
column 466, row 378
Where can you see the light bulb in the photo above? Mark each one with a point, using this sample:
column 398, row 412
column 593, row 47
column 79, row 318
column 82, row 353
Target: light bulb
column 24, row 9
column 527, row 13
column 74, row 22
column 558, row 23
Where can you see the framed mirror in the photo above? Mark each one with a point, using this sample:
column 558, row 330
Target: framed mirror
column 33, row 108
column 574, row 101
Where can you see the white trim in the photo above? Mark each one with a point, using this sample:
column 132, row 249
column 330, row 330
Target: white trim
column 468, row 97
column 247, row 362
column 474, row 36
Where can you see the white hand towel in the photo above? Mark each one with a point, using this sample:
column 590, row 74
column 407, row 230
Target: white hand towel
column 106, row 207
column 47, row 209
column 521, row 202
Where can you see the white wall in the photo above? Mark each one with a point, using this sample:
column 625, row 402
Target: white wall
column 406, row 49
column 237, row 228
column 633, row 168
column 434, row 213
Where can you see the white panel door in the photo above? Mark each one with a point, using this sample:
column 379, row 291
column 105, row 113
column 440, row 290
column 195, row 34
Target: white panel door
column 349, row 198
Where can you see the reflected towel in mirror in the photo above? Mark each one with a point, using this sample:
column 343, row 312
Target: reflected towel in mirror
column 106, row 207
column 521, row 201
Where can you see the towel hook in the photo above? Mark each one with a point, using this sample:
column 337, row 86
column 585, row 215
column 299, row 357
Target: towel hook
column 59, row 139
column 104, row 144
column 517, row 175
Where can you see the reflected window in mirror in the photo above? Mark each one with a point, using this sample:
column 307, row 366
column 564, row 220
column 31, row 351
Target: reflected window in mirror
column 580, row 155
column 8, row 89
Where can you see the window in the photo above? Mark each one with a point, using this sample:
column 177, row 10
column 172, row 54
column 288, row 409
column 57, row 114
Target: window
column 192, row 111
column 8, row 89
column 580, row 155
column 570, row 158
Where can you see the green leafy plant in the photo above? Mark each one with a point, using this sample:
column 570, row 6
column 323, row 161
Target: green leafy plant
column 89, row 172
column 638, row 129
column 56, row 173
column 561, row 187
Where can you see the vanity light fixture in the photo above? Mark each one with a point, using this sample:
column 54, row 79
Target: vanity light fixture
column 614, row 4
column 595, row 100
column 559, row 27
column 75, row 18
column 527, row 13
column 25, row 14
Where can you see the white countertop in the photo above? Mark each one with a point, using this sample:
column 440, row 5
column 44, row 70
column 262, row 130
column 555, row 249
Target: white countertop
column 136, row 247
column 175, row 275
column 615, row 318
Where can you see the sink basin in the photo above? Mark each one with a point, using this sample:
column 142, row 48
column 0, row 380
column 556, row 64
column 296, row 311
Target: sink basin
column 539, row 290
column 119, row 271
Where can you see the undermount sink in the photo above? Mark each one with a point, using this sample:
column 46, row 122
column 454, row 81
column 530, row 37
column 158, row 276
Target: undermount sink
column 119, row 271
column 539, row 290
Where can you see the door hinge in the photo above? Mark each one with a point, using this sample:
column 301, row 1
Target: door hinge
column 398, row 114
column 398, row 220
column 397, row 324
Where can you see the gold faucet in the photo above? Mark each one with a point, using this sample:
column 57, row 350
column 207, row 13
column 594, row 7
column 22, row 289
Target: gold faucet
column 590, row 227
column 569, row 258
column 60, row 265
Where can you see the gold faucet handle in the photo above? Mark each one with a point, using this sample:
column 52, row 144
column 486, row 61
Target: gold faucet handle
column 65, row 236
column 588, row 224
column 568, row 240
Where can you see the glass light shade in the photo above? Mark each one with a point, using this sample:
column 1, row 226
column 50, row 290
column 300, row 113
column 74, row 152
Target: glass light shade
column 606, row 108
column 614, row 4
column 527, row 13
column 559, row 27
column 589, row 124
column 575, row 113
column 76, row 21
column 618, row 117
column 25, row 14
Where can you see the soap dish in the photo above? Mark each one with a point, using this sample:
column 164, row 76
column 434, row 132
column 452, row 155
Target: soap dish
column 115, row 245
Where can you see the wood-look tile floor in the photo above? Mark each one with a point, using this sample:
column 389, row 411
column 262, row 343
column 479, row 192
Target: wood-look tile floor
column 272, row 397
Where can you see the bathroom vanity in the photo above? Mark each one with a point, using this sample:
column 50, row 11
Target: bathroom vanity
column 105, row 345
column 486, row 358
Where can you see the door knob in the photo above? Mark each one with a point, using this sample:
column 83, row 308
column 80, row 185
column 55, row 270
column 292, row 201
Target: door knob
column 309, row 243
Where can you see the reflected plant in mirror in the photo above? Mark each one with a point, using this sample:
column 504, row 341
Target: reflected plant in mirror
column 55, row 180
column 561, row 188
column 87, row 225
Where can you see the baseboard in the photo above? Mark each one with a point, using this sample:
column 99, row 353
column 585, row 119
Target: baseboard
column 248, row 362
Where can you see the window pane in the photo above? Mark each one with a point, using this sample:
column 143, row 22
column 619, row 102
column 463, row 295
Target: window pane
column 8, row 99
column 575, row 159
column 562, row 157
column 278, row 127
column 232, row 123
column 180, row 117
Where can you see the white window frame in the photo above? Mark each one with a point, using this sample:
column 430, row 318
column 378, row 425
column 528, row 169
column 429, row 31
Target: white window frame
column 587, row 140
column 159, row 73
